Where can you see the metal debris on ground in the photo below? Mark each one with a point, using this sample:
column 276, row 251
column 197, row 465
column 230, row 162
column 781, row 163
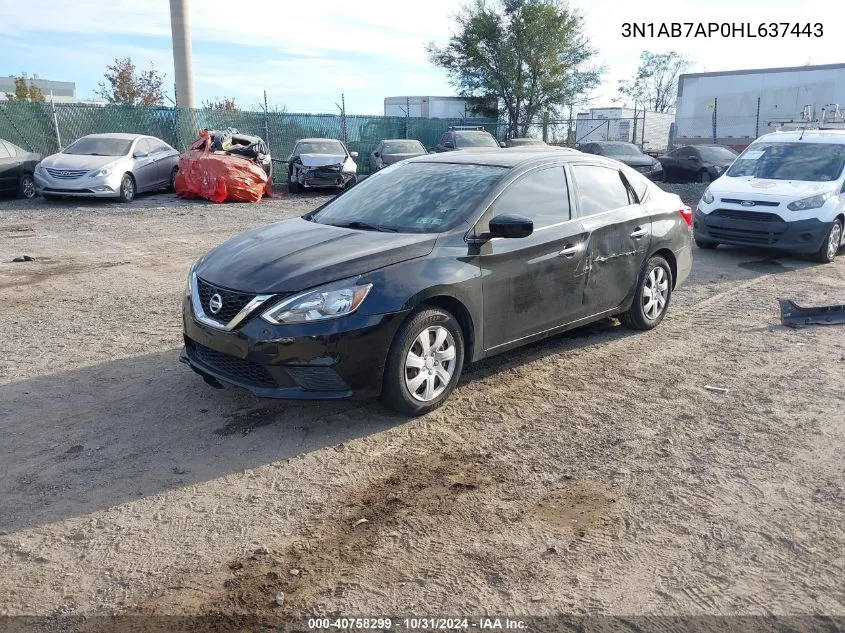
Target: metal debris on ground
column 23, row 258
column 796, row 316
column 716, row 389
column 280, row 598
column 359, row 522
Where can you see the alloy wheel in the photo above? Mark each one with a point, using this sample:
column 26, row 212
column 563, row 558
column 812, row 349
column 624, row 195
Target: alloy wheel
column 833, row 240
column 430, row 363
column 28, row 187
column 128, row 188
column 655, row 293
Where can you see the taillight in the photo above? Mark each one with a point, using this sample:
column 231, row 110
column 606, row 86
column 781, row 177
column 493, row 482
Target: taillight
column 686, row 212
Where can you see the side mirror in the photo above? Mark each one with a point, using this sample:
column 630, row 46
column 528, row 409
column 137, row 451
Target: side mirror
column 502, row 144
column 376, row 154
column 353, row 154
column 448, row 145
column 140, row 154
column 511, row 226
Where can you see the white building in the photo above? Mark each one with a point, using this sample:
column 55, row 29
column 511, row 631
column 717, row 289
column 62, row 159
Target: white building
column 620, row 124
column 750, row 103
column 429, row 107
column 63, row 91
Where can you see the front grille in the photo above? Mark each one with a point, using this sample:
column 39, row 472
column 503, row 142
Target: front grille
column 237, row 369
column 757, row 203
column 233, row 302
column 66, row 174
column 751, row 216
column 763, row 238
column 317, row 378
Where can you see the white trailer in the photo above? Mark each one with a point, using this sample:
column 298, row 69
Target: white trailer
column 735, row 107
column 620, row 124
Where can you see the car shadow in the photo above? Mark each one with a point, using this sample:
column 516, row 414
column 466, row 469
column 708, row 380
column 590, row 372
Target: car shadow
column 80, row 441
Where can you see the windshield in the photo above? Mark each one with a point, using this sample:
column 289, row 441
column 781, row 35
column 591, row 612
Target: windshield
column 412, row 198
column 717, row 154
column 622, row 149
column 99, row 146
column 403, row 147
column 320, row 147
column 475, row 139
column 814, row 162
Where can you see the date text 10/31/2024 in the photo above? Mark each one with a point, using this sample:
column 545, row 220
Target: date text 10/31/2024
column 417, row 624
column 721, row 29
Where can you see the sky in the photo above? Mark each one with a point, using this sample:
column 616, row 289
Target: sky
column 305, row 55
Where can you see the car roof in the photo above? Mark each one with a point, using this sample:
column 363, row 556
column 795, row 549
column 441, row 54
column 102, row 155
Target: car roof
column 806, row 136
column 311, row 140
column 400, row 140
column 510, row 157
column 610, row 143
column 118, row 135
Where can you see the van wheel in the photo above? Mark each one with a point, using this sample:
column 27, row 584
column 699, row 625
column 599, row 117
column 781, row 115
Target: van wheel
column 424, row 363
column 652, row 297
column 830, row 245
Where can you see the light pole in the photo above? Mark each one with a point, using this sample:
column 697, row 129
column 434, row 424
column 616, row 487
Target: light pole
column 183, row 65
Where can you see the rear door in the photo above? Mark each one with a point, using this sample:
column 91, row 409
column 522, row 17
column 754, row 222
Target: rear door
column 619, row 234
column 165, row 160
column 532, row 284
column 9, row 169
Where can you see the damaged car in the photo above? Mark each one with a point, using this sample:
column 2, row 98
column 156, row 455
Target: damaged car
column 436, row 262
column 321, row 162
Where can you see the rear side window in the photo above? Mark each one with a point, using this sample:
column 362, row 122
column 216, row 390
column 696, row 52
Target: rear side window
column 638, row 182
column 599, row 189
column 541, row 195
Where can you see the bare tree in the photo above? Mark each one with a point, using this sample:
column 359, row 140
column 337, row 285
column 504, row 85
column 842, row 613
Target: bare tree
column 655, row 84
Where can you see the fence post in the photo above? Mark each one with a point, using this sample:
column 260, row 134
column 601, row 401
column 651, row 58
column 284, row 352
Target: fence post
column 55, row 121
column 545, row 127
column 266, row 121
column 757, row 122
column 715, row 110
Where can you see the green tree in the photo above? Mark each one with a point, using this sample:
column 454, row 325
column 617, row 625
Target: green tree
column 655, row 84
column 529, row 55
column 226, row 103
column 26, row 90
column 125, row 85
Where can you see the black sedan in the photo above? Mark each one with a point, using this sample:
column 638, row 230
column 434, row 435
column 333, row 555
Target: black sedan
column 629, row 154
column 16, row 168
column 394, row 285
column 392, row 151
column 697, row 163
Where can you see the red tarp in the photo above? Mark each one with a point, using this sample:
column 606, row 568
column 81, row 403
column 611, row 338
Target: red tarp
column 219, row 177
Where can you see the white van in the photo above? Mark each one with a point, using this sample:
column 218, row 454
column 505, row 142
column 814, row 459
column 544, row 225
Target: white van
column 786, row 191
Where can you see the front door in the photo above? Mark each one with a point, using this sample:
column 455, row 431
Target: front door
column 532, row 284
column 619, row 231
column 146, row 167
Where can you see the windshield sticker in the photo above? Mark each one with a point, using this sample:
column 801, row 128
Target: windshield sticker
column 753, row 155
column 427, row 221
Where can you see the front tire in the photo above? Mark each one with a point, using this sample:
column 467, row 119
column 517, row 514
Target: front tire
column 26, row 187
column 652, row 297
column 293, row 186
column 127, row 188
column 830, row 246
column 172, row 184
column 704, row 176
column 424, row 363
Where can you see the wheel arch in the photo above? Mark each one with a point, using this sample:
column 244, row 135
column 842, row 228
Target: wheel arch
column 456, row 308
column 670, row 258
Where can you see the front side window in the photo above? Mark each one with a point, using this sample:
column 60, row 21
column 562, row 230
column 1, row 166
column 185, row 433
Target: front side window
column 403, row 147
column 541, row 195
column 717, row 154
column 599, row 189
column 412, row 198
column 99, row 146
column 813, row 162
column 620, row 149
column 475, row 139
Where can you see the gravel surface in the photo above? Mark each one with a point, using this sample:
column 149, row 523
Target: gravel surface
column 690, row 193
column 592, row 473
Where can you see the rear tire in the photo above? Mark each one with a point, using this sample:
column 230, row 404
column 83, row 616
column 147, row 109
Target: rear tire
column 707, row 246
column 831, row 244
column 172, row 184
column 653, row 287
column 424, row 363
column 127, row 188
column 26, row 187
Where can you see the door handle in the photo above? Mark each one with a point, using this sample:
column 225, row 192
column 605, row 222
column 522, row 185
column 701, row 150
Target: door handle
column 569, row 251
column 638, row 233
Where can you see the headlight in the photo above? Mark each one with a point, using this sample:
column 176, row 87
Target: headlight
column 105, row 171
column 39, row 168
column 318, row 305
column 189, row 284
column 707, row 198
column 813, row 202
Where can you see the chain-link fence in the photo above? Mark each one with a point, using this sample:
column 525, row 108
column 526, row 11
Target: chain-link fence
column 650, row 131
column 725, row 127
column 46, row 128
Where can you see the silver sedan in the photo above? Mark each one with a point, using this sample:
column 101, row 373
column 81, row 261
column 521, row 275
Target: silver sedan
column 108, row 166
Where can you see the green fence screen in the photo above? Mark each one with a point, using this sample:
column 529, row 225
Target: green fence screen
column 45, row 128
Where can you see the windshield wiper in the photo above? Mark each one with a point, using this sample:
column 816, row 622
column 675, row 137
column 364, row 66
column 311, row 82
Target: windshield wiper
column 366, row 226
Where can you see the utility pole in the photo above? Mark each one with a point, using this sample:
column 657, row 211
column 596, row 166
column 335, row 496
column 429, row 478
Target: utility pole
column 183, row 64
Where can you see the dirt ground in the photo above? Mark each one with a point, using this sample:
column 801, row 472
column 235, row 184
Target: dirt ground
column 592, row 473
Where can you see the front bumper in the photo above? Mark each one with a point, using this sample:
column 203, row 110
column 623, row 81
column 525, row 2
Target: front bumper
column 318, row 177
column 338, row 358
column 765, row 230
column 84, row 186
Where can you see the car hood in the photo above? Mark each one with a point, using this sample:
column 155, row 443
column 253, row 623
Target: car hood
column 78, row 161
column 320, row 160
column 726, row 187
column 636, row 161
column 294, row 255
column 389, row 159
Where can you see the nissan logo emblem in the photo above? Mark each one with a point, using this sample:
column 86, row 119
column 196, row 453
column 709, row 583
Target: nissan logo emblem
column 215, row 303
column 747, row 203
